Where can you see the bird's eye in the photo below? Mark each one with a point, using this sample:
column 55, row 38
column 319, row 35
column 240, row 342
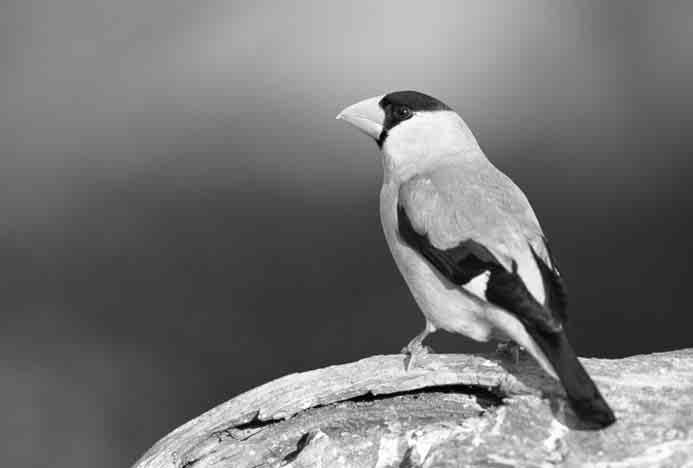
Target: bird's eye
column 402, row 112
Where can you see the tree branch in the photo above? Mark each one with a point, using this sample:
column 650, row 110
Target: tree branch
column 449, row 410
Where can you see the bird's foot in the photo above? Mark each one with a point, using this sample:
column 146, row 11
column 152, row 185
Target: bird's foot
column 413, row 352
column 511, row 350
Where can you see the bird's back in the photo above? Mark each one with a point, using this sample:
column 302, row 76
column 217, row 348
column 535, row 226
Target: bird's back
column 463, row 199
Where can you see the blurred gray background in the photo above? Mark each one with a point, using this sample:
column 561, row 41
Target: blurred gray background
column 183, row 219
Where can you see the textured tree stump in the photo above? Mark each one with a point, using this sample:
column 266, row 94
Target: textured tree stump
column 448, row 411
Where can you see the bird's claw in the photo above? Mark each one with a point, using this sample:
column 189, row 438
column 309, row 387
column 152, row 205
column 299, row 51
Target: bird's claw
column 510, row 349
column 413, row 353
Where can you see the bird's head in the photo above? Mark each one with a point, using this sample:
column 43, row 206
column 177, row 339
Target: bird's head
column 412, row 129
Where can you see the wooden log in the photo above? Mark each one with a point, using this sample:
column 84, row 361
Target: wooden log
column 449, row 410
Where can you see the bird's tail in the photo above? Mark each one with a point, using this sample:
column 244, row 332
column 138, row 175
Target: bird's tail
column 583, row 394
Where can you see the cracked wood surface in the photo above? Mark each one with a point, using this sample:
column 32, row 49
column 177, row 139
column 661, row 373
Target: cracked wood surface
column 450, row 410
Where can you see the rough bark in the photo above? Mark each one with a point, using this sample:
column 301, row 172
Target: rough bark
column 449, row 410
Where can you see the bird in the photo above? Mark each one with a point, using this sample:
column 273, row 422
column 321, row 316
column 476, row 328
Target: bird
column 467, row 241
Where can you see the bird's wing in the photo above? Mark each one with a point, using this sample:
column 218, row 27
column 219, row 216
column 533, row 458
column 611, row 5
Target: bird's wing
column 466, row 223
column 473, row 223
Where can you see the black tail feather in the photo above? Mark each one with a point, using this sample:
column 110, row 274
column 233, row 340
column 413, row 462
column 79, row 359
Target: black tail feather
column 583, row 394
column 506, row 289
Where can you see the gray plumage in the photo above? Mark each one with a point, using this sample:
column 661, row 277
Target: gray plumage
column 465, row 200
column 467, row 241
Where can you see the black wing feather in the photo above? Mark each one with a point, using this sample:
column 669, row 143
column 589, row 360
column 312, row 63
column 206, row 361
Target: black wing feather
column 469, row 259
column 556, row 295
column 506, row 289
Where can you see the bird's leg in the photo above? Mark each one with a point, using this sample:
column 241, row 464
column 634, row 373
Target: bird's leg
column 510, row 349
column 415, row 348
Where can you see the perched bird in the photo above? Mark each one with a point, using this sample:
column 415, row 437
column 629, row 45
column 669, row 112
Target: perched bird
column 467, row 241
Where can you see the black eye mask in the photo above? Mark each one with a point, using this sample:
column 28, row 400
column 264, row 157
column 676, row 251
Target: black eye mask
column 401, row 105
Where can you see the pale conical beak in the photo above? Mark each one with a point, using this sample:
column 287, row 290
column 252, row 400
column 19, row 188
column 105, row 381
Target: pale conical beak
column 366, row 115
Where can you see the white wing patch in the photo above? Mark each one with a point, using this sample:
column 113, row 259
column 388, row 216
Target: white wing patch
column 478, row 284
column 452, row 203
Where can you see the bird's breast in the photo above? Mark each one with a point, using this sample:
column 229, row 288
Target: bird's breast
column 444, row 304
